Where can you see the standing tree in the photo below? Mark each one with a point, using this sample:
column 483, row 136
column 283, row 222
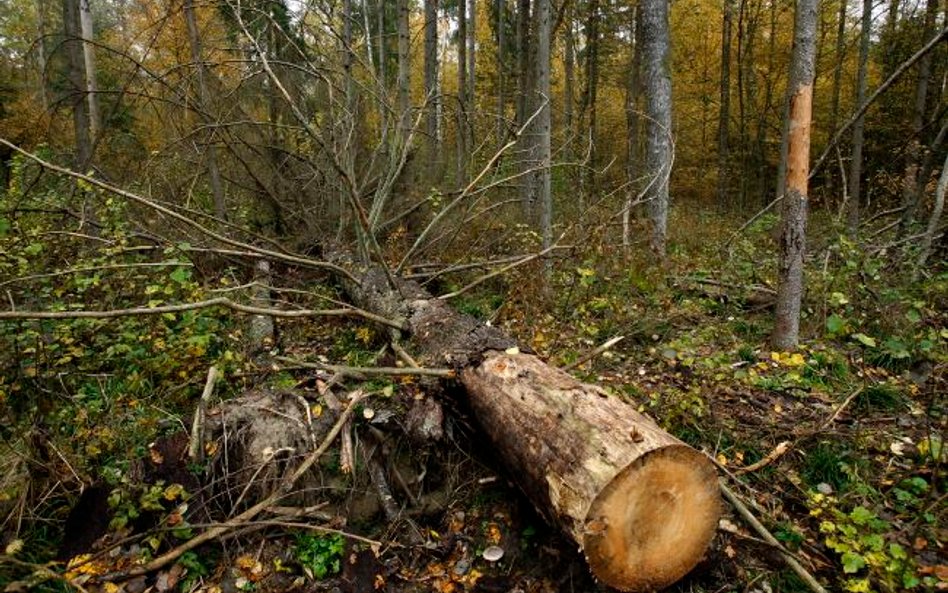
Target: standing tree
column 786, row 333
column 88, row 57
column 542, row 124
column 210, row 155
column 911, row 179
column 77, row 82
column 855, row 164
column 724, row 111
column 658, row 111
column 431, row 87
column 462, row 94
column 404, row 68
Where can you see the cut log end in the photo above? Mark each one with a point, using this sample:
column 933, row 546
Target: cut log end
column 653, row 522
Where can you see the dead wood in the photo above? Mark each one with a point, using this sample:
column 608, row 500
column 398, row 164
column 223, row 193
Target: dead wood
column 642, row 505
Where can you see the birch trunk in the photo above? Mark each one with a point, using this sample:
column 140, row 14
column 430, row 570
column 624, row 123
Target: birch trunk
column 88, row 55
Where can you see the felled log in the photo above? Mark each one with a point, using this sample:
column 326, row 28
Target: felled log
column 642, row 505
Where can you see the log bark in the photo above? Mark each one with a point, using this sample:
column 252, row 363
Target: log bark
column 642, row 505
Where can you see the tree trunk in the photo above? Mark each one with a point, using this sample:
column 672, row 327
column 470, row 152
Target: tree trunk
column 88, row 55
column 724, row 112
column 404, row 69
column 588, row 113
column 210, row 153
column 642, row 505
column 938, row 208
column 633, row 145
column 41, row 55
column 837, row 83
column 855, row 164
column 793, row 224
column 523, row 61
column 501, row 72
column 658, row 109
column 77, row 82
column 910, row 180
column 543, row 122
column 569, row 81
column 462, row 95
column 431, row 88
column 471, row 61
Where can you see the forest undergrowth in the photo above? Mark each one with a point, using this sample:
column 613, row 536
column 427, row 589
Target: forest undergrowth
column 837, row 447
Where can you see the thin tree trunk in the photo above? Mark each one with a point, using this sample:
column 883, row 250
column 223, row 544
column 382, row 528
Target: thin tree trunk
column 591, row 93
column 88, row 54
column 837, row 82
column 724, row 112
column 543, row 122
column 210, row 153
column 933, row 221
column 855, row 165
column 786, row 333
column 462, row 95
column 431, row 87
column 569, row 84
column 501, row 71
column 382, row 43
column 77, row 80
column 633, row 152
column 658, row 109
column 523, row 61
column 471, row 45
column 348, row 63
column 404, row 68
column 41, row 55
column 910, row 196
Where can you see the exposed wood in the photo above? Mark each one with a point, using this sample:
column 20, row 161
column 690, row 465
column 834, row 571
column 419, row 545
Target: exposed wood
column 642, row 505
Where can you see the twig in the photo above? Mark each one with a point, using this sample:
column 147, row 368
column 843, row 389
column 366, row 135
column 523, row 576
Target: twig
column 786, row 446
column 594, row 353
column 774, row 455
column 792, row 562
column 196, row 447
column 347, row 370
column 244, row 518
column 404, row 355
column 303, row 261
column 875, row 95
column 215, row 302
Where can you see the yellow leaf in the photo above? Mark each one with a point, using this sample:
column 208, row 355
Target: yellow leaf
column 722, row 459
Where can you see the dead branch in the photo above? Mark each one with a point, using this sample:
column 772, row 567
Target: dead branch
column 196, row 446
column 792, row 562
column 215, row 302
column 359, row 371
column 219, row 529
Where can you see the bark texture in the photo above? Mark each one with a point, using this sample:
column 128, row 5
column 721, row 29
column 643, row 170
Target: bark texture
column 642, row 505
column 793, row 220
column 855, row 164
column 658, row 109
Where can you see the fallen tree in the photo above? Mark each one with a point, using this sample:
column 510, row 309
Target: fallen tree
column 642, row 505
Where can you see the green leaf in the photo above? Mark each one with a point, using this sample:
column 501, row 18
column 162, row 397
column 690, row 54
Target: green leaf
column 913, row 315
column 861, row 515
column 181, row 275
column 865, row 340
column 853, row 563
column 835, row 324
column 33, row 249
column 4, row 227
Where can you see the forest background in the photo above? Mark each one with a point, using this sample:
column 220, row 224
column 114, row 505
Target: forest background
column 174, row 174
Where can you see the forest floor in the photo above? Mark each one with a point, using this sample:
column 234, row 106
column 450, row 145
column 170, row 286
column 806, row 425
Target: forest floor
column 838, row 447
